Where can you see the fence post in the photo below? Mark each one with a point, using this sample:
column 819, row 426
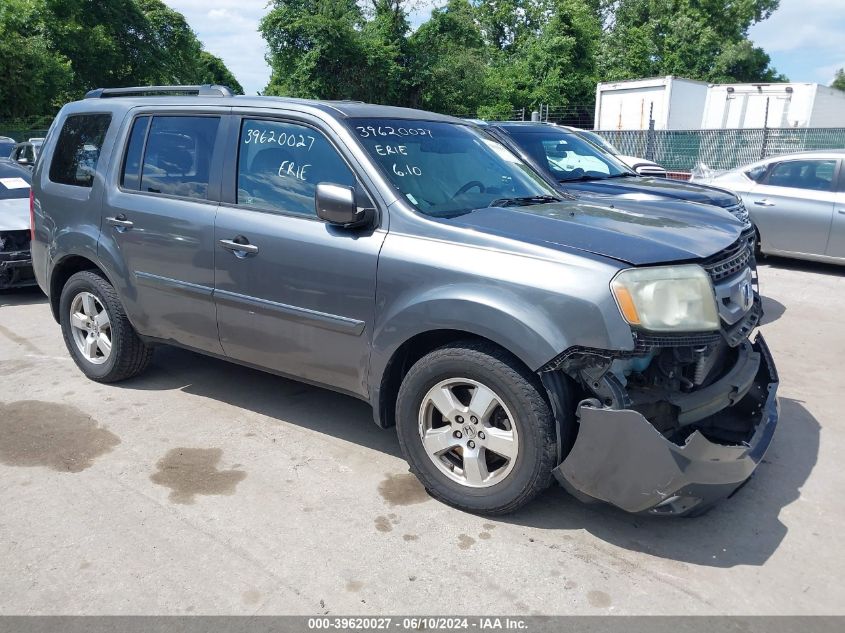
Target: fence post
column 765, row 142
column 649, row 143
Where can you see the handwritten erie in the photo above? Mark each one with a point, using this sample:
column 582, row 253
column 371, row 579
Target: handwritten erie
column 262, row 137
column 387, row 150
column 370, row 131
column 290, row 168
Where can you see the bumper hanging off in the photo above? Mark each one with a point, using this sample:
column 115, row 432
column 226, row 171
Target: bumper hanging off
column 618, row 456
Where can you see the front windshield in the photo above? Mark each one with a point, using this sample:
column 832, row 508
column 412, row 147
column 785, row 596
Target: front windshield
column 565, row 155
column 447, row 169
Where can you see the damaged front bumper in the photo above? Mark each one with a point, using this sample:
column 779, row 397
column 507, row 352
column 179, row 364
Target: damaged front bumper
column 618, row 456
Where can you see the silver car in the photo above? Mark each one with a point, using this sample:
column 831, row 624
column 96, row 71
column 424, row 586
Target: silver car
column 796, row 202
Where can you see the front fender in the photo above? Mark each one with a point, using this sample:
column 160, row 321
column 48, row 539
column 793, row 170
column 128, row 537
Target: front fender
column 500, row 317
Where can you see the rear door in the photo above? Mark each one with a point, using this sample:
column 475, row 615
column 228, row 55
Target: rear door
column 293, row 294
column 158, row 224
column 792, row 205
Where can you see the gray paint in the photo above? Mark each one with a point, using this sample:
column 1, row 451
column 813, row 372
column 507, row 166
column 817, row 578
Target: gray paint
column 331, row 306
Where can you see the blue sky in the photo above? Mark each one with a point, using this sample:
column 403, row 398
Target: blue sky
column 805, row 38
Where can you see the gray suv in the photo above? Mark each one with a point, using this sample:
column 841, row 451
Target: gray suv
column 409, row 259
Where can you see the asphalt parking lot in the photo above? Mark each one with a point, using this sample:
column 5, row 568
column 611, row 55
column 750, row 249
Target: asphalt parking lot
column 203, row 487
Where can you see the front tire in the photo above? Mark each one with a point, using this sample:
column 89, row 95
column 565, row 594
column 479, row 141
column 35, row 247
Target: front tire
column 97, row 332
column 476, row 429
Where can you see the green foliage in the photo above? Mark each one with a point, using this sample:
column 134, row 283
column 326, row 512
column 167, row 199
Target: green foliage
column 52, row 51
column 212, row 70
column 839, row 80
column 472, row 56
column 492, row 56
column 448, row 62
column 34, row 79
column 697, row 39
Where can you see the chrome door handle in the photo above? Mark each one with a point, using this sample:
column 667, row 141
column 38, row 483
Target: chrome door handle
column 120, row 222
column 764, row 203
column 842, row 211
column 240, row 250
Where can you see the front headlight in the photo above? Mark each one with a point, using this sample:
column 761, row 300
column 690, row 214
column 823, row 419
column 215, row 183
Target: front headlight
column 667, row 298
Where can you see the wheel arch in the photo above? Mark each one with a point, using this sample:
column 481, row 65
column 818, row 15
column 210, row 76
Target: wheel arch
column 426, row 321
column 63, row 270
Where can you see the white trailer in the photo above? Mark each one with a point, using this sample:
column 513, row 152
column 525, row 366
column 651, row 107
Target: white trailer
column 775, row 105
column 674, row 103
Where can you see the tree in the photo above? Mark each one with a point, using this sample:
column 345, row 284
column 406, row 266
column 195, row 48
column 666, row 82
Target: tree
column 327, row 49
column 448, row 62
column 315, row 49
column 52, row 51
column 557, row 65
column 212, row 70
column 34, row 79
column 108, row 42
column 839, row 80
column 698, row 39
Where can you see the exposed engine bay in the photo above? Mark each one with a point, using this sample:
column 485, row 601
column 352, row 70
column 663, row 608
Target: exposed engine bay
column 679, row 420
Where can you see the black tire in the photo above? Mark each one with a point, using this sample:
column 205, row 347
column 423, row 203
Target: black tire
column 520, row 391
column 129, row 354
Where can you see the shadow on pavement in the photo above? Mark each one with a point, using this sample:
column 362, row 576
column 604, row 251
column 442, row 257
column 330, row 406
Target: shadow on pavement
column 772, row 310
column 278, row 398
column 22, row 296
column 801, row 265
column 742, row 530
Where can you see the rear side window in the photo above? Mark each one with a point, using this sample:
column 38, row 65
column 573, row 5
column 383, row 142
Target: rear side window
column 130, row 176
column 78, row 149
column 177, row 157
column 280, row 165
column 803, row 174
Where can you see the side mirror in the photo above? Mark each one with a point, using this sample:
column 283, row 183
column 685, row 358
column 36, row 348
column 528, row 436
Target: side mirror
column 336, row 205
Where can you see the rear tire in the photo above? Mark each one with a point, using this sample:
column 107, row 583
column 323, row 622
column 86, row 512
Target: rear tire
column 494, row 448
column 97, row 332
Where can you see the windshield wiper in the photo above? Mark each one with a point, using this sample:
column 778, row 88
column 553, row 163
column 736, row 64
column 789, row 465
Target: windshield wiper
column 523, row 201
column 563, row 181
column 622, row 175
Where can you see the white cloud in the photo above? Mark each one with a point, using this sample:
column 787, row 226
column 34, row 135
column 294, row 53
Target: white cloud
column 805, row 35
column 229, row 29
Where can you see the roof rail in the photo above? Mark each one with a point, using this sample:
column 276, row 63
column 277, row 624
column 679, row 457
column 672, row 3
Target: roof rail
column 205, row 90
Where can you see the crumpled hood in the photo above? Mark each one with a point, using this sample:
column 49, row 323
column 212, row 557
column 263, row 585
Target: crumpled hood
column 646, row 188
column 14, row 214
column 635, row 234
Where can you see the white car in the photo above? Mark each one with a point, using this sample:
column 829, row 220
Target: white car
column 796, row 202
column 15, row 259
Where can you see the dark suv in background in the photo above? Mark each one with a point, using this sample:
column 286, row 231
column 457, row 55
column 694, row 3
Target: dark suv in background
column 578, row 166
column 411, row 260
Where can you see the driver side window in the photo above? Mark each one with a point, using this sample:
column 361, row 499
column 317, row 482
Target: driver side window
column 280, row 165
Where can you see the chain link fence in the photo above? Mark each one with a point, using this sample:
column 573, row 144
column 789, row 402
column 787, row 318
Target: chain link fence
column 682, row 150
column 25, row 128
